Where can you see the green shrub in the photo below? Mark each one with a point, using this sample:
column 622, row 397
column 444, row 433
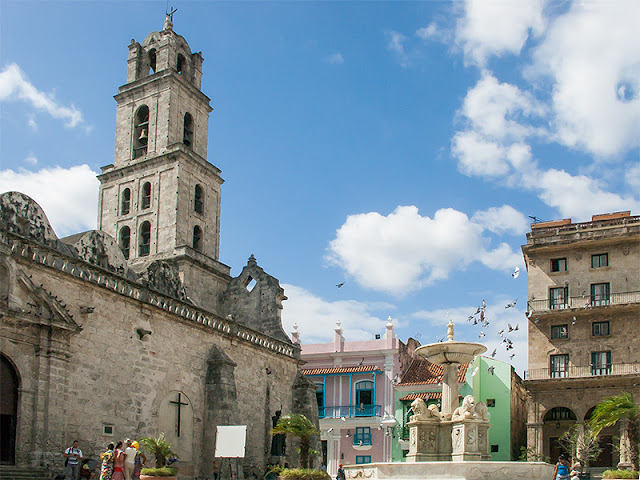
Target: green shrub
column 620, row 474
column 302, row 474
column 159, row 472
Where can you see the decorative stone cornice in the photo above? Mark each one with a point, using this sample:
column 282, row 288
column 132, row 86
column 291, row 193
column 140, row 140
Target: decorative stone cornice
column 50, row 258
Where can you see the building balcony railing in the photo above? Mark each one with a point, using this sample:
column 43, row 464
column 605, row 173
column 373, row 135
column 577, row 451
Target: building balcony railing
column 585, row 371
column 583, row 301
column 349, row 411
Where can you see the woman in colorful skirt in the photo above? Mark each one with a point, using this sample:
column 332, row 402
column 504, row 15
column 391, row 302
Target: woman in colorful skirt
column 106, row 471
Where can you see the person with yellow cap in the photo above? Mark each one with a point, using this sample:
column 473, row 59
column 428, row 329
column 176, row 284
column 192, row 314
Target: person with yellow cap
column 139, row 461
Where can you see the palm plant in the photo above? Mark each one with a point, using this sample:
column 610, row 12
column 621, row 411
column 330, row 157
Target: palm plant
column 620, row 408
column 159, row 447
column 299, row 426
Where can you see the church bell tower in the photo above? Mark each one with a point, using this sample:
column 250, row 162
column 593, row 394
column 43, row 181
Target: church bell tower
column 160, row 199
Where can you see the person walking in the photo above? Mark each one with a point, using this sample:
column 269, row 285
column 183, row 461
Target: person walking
column 129, row 459
column 216, row 470
column 118, row 463
column 106, row 470
column 141, row 459
column 341, row 474
column 561, row 472
column 73, row 456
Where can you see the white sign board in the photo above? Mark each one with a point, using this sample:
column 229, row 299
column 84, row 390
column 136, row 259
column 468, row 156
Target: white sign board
column 230, row 441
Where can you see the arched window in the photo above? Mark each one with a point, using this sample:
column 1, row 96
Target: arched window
column 145, row 201
column 141, row 131
column 125, row 241
column 187, row 137
column 180, row 63
column 197, row 237
column 125, row 204
column 152, row 61
column 9, row 386
column 144, row 239
column 198, row 199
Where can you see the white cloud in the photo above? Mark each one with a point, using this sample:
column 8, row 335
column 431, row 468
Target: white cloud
column 430, row 31
column 491, row 27
column 396, row 46
column 478, row 156
column 404, row 251
column 579, row 196
column 69, row 197
column 335, row 59
column 632, row 176
column 498, row 110
column 13, row 84
column 31, row 159
column 591, row 55
column 316, row 318
column 504, row 219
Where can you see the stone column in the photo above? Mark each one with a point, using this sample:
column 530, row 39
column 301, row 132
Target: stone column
column 450, row 389
column 535, row 441
column 625, row 446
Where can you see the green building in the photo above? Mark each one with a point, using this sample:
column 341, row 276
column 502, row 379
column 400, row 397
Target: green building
column 488, row 380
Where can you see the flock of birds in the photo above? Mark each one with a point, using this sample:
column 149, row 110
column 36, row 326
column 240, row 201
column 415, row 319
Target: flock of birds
column 479, row 318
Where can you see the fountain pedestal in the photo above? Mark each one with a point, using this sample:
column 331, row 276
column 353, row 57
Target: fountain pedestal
column 470, row 442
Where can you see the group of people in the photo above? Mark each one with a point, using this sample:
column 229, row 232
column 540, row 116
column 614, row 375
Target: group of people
column 122, row 464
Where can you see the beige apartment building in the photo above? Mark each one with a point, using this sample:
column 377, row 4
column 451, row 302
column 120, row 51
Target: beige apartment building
column 584, row 325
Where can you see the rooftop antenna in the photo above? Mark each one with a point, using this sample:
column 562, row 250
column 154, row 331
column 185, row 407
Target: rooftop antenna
column 535, row 219
column 171, row 11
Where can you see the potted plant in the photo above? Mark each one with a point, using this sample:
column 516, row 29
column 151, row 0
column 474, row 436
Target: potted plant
column 162, row 452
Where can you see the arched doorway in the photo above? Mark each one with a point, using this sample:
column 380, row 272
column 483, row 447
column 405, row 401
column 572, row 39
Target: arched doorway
column 557, row 421
column 9, row 384
column 605, row 442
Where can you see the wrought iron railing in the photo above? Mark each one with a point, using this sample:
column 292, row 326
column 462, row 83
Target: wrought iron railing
column 583, row 301
column 584, row 371
column 349, row 411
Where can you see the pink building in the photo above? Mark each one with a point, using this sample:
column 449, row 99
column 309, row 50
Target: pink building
column 355, row 392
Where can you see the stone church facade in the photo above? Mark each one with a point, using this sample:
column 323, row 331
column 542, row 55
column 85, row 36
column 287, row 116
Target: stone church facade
column 137, row 328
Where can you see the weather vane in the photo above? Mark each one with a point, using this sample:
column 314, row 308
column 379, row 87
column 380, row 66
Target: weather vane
column 171, row 11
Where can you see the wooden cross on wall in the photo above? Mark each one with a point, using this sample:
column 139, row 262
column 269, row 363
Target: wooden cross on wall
column 179, row 404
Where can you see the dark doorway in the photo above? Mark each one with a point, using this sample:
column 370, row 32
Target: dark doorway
column 605, row 459
column 8, row 411
column 555, row 450
column 324, row 452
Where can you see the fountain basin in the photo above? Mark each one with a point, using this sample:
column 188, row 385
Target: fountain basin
column 451, row 471
column 450, row 352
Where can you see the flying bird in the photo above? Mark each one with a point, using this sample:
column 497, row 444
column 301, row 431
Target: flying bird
column 573, row 322
column 529, row 313
column 481, row 334
column 501, row 332
column 493, row 354
column 511, row 356
column 491, row 369
column 513, row 329
column 512, row 304
column 340, row 285
column 516, row 273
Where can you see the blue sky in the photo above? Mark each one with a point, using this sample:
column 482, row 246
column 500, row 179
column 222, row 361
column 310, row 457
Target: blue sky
column 398, row 147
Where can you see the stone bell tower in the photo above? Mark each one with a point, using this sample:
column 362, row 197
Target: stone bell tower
column 160, row 199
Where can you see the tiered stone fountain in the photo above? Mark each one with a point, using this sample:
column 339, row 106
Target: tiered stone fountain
column 451, row 443
column 455, row 433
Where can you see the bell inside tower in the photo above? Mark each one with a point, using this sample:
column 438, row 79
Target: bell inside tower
column 141, row 132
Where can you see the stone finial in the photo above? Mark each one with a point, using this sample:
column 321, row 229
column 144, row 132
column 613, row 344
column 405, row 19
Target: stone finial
column 450, row 326
column 338, row 326
column 295, row 327
column 389, row 322
column 168, row 22
column 252, row 260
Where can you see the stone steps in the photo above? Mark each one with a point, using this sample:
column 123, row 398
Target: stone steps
column 12, row 472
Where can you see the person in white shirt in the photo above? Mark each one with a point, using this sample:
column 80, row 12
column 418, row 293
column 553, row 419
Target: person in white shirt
column 73, row 457
column 130, row 459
